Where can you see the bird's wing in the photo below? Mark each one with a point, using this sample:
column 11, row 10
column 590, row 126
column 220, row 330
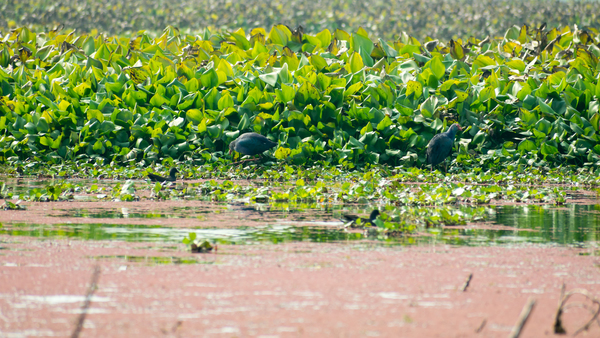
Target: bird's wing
column 247, row 147
column 156, row 178
column 439, row 148
column 433, row 147
column 349, row 218
column 445, row 146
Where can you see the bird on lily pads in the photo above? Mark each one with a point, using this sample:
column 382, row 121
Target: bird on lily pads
column 355, row 221
column 170, row 178
column 440, row 146
column 251, row 144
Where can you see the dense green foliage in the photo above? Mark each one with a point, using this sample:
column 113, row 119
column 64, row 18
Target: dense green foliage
column 443, row 19
column 529, row 98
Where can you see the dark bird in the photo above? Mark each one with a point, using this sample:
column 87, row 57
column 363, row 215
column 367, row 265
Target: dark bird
column 170, row 178
column 251, row 144
column 352, row 220
column 440, row 146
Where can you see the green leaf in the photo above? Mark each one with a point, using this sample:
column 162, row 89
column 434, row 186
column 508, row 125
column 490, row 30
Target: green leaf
column 226, row 101
column 456, row 50
column 386, row 122
column 158, row 100
column 437, row 67
column 527, row 145
column 548, row 149
column 353, row 89
column 414, row 87
column 517, row 64
column 356, row 144
column 244, row 122
column 487, row 93
column 356, row 63
column 194, row 115
column 428, row 107
column 318, row 62
column 544, row 126
column 98, row 146
column 278, row 35
column 270, row 78
column 209, row 79
column 325, row 37
column 545, row 108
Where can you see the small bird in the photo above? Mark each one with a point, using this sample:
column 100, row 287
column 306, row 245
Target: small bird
column 251, row 144
column 440, row 146
column 352, row 220
column 170, row 178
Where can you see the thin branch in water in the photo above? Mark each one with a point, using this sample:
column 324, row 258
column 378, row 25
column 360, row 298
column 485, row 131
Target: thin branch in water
column 467, row 282
column 516, row 331
column 563, row 306
column 481, row 326
column 86, row 304
column 558, row 327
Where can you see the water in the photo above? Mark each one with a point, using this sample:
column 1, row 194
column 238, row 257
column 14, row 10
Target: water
column 184, row 212
column 571, row 224
column 142, row 233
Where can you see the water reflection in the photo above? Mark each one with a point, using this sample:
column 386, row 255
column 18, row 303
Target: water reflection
column 142, row 233
column 567, row 224
column 571, row 224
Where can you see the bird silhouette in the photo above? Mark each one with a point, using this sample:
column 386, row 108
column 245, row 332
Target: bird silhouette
column 170, row 178
column 251, row 144
column 352, row 220
column 440, row 146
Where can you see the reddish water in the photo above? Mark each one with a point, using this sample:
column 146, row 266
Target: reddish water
column 350, row 288
column 287, row 290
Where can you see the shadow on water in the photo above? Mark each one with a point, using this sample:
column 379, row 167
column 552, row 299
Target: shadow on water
column 572, row 224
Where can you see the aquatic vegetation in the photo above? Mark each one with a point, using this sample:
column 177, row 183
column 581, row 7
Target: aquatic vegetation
column 527, row 99
column 352, row 116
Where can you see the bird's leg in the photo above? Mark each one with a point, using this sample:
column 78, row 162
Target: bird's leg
column 246, row 160
column 431, row 173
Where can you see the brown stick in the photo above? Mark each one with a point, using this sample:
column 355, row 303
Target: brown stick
column 516, row 331
column 480, row 328
column 558, row 327
column 86, row 303
column 562, row 306
column 466, row 285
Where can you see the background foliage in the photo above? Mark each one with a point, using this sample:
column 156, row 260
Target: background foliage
column 442, row 19
column 528, row 98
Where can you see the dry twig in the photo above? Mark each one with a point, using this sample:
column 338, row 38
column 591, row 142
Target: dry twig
column 466, row 285
column 481, row 326
column 563, row 306
column 516, row 331
column 86, row 304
